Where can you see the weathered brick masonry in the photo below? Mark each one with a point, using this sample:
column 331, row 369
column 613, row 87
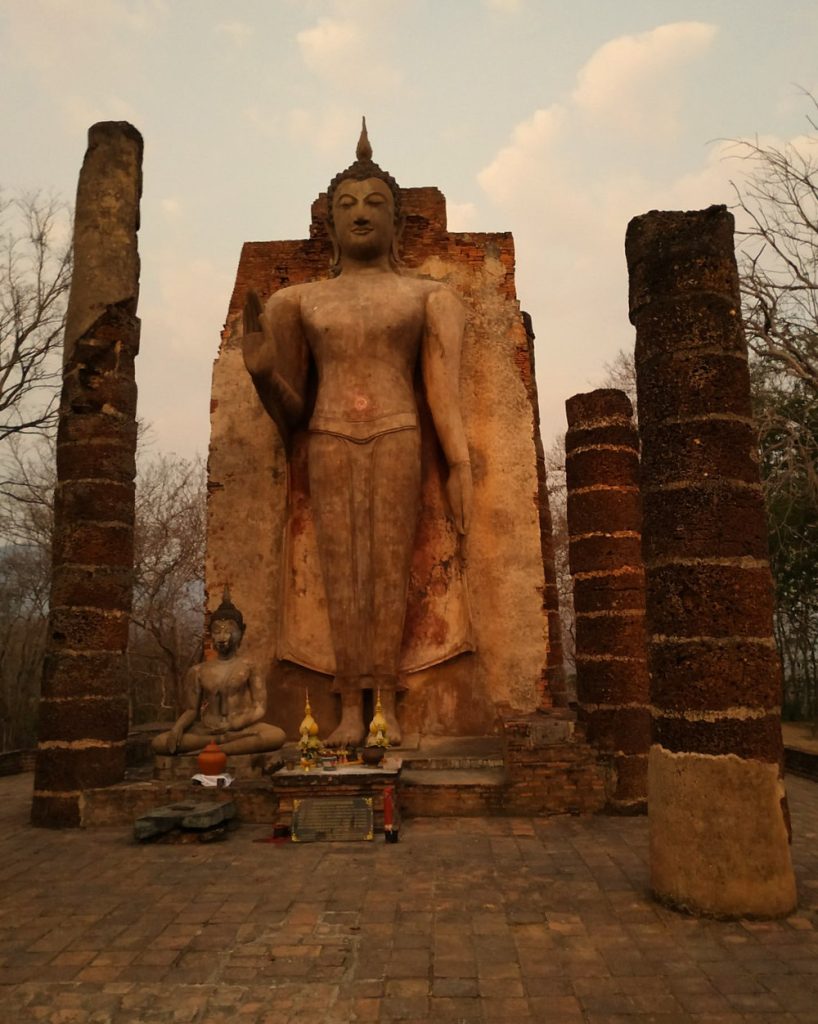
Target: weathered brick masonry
column 604, row 526
column 550, row 768
column 509, row 591
column 83, row 721
column 716, row 799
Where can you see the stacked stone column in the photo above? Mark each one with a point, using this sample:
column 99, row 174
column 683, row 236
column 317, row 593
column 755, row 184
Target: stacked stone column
column 604, row 527
column 83, row 719
column 717, row 807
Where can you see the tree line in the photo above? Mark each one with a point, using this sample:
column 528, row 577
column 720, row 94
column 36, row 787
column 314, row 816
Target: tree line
column 777, row 207
column 777, row 250
column 168, row 603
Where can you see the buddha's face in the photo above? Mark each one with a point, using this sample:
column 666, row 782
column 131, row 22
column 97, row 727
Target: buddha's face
column 226, row 635
column 363, row 213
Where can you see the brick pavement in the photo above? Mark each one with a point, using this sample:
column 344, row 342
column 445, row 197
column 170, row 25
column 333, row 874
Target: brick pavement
column 464, row 920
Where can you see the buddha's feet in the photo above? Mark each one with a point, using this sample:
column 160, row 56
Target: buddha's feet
column 351, row 729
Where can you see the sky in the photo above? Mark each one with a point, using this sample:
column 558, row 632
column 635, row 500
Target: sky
column 555, row 121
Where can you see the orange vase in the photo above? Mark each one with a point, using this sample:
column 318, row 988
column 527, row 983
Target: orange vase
column 212, row 760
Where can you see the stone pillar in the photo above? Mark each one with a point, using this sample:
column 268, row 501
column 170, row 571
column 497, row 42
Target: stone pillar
column 717, row 807
column 605, row 533
column 554, row 689
column 83, row 720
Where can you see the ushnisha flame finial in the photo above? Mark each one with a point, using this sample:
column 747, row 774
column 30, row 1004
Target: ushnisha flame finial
column 363, row 151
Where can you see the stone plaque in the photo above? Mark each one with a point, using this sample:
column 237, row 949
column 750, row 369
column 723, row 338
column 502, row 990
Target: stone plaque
column 340, row 819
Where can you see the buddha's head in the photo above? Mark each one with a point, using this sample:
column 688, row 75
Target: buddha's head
column 364, row 204
column 226, row 626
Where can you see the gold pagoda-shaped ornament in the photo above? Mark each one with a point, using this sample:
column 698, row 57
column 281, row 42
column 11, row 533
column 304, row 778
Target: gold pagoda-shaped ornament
column 378, row 730
column 309, row 743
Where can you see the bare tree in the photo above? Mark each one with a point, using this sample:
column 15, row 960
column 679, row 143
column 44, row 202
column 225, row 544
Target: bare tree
column 168, row 609
column 35, row 272
column 779, row 252
column 558, row 503
column 778, row 264
column 620, row 373
column 25, row 576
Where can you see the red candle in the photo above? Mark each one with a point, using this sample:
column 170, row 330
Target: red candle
column 388, row 808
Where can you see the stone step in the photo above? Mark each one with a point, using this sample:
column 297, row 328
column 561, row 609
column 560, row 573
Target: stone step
column 454, row 753
column 801, row 762
column 451, row 792
column 459, row 776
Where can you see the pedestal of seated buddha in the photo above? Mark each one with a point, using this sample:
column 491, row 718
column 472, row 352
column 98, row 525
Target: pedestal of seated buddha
column 182, row 767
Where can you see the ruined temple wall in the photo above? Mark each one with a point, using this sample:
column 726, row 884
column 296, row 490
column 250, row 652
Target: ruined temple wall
column 248, row 475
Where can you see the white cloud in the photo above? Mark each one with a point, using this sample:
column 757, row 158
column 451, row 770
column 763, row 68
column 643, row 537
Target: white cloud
column 567, row 187
column 530, row 142
column 344, row 49
column 328, row 44
column 461, row 216
column 633, row 82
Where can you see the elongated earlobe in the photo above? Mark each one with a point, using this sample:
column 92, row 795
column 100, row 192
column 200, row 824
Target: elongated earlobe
column 335, row 258
column 397, row 239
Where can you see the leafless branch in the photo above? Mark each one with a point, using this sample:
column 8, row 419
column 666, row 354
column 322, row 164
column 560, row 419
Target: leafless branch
column 35, row 273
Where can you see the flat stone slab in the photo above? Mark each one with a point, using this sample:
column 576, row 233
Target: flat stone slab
column 193, row 815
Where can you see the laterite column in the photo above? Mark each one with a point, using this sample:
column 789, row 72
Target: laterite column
column 717, row 807
column 604, row 528
column 83, row 721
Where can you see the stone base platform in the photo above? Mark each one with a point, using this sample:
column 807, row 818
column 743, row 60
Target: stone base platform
column 258, row 801
column 124, row 803
column 539, row 765
column 801, row 749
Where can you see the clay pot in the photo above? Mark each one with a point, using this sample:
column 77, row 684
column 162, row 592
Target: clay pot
column 212, row 760
column 372, row 756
